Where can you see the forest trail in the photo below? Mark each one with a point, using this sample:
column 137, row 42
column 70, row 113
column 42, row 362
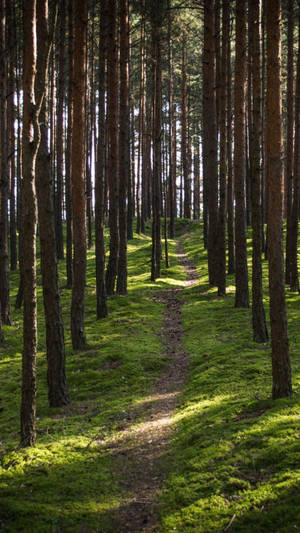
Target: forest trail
column 139, row 450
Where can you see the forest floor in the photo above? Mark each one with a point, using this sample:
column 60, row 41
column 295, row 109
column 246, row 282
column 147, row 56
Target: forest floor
column 171, row 427
column 140, row 449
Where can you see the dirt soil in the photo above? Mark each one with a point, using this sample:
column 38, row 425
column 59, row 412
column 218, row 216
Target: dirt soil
column 140, row 449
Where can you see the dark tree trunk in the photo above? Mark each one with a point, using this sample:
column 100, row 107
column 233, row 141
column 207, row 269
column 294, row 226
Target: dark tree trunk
column 223, row 155
column 241, row 274
column 57, row 388
column 112, row 164
column 172, row 139
column 30, row 147
column 100, row 173
column 4, row 262
column 196, row 199
column 184, row 135
column 157, row 129
column 293, row 237
column 230, row 191
column 68, row 158
column 260, row 333
column 281, row 369
column 124, row 166
column 59, row 133
column 78, row 178
column 289, row 137
column 11, row 132
column 210, row 173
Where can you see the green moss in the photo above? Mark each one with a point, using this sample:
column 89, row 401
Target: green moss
column 235, row 454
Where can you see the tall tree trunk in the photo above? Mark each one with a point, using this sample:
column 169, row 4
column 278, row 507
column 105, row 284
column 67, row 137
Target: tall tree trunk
column 4, row 263
column 230, row 191
column 281, row 369
column 157, row 130
column 59, row 132
column 68, row 158
column 100, row 173
column 260, row 333
column 172, row 154
column 57, row 388
column 30, row 147
column 223, row 154
column 289, row 140
column 210, row 172
column 184, row 134
column 78, row 179
column 112, row 164
column 293, row 238
column 11, row 29
column 141, row 133
column 124, row 166
column 241, row 274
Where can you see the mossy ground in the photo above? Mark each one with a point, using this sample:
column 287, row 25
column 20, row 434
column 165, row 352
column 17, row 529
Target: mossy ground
column 235, row 452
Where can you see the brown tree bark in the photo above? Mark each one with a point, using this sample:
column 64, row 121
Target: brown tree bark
column 4, row 258
column 184, row 133
column 210, row 173
column 30, row 147
column 101, row 304
column 281, row 369
column 141, row 124
column 68, row 157
column 172, row 126
column 124, row 159
column 60, row 132
column 289, row 137
column 223, row 153
column 112, row 164
column 294, row 216
column 156, row 19
column 196, row 196
column 11, row 115
column 78, row 178
column 57, row 388
column 230, row 188
column 259, row 326
column 241, row 273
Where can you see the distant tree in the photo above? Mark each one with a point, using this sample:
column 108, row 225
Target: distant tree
column 281, row 369
column 78, row 181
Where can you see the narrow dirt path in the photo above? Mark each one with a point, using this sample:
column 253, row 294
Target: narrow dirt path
column 139, row 451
